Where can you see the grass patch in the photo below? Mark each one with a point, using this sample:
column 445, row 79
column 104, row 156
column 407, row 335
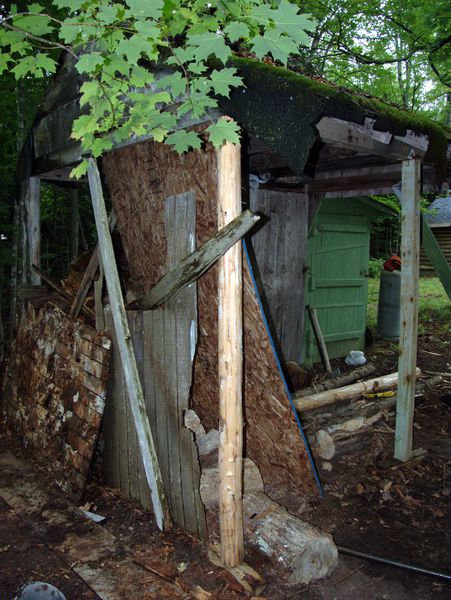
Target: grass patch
column 434, row 311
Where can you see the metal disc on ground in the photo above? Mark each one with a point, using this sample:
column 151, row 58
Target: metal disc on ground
column 39, row 590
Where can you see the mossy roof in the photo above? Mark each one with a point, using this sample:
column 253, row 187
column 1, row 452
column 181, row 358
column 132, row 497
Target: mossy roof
column 281, row 107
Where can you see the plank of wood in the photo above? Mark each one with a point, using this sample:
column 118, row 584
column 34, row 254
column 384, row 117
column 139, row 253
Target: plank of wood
column 134, row 389
column 172, row 367
column 89, row 275
column 32, row 230
column 410, row 251
column 436, row 256
column 230, row 362
column 190, row 268
column 62, row 292
column 98, row 306
column 348, row 392
column 134, row 459
column 157, row 366
column 279, row 247
column 180, row 223
column 319, row 338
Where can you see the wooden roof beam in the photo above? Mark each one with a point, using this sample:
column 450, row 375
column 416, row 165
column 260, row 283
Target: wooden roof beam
column 363, row 138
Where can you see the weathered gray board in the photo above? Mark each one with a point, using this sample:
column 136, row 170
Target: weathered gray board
column 280, row 248
column 164, row 342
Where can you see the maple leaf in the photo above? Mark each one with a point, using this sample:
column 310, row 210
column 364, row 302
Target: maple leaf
column 183, row 140
column 273, row 43
column 225, row 79
column 223, row 131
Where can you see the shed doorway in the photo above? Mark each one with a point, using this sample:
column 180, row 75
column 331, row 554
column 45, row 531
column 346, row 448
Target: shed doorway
column 336, row 283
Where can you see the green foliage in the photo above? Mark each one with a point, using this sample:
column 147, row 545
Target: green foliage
column 434, row 310
column 397, row 51
column 375, row 267
column 114, row 43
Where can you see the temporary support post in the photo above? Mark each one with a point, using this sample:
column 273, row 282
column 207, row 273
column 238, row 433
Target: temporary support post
column 125, row 347
column 230, row 365
column 410, row 250
column 32, row 230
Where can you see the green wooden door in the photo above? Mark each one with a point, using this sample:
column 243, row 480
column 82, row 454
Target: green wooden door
column 336, row 284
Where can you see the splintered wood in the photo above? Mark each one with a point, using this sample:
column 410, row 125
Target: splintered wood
column 54, row 393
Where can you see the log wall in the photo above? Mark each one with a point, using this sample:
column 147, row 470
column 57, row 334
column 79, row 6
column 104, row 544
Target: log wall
column 140, row 177
column 54, row 393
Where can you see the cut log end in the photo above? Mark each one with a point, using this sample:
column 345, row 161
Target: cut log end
column 306, row 552
column 317, row 561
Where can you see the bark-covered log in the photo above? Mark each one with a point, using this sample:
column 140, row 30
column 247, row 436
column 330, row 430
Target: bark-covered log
column 349, row 392
column 348, row 428
column 307, row 552
column 336, row 382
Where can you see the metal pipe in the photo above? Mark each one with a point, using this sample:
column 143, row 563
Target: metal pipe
column 393, row 563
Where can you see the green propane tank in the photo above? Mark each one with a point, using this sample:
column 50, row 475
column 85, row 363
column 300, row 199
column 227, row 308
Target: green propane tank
column 389, row 306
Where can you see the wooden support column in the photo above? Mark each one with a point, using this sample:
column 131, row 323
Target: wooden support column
column 410, row 249
column 127, row 356
column 32, row 230
column 230, row 356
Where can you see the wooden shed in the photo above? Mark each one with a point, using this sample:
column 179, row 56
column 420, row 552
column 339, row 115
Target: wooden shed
column 315, row 142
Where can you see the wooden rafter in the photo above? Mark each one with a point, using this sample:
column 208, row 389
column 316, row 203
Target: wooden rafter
column 361, row 138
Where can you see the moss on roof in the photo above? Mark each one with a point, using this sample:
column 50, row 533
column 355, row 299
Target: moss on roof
column 281, row 108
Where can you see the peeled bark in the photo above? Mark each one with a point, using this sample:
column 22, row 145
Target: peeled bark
column 209, row 482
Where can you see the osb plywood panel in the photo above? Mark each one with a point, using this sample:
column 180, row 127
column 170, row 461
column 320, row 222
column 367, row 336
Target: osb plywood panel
column 55, row 390
column 139, row 178
column 138, row 183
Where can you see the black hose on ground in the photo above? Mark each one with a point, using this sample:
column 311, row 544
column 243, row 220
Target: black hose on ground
column 394, row 563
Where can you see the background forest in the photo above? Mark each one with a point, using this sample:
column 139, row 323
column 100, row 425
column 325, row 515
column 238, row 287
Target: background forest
column 397, row 51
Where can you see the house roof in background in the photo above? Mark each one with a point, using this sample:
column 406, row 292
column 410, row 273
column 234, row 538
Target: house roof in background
column 441, row 212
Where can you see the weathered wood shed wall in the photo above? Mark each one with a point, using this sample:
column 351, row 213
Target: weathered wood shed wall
column 140, row 178
column 280, row 248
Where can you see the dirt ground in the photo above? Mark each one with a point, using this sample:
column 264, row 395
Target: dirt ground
column 397, row 511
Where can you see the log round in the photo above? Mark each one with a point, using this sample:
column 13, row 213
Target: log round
column 307, row 552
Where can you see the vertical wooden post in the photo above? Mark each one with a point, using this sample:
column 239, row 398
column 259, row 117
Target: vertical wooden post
column 410, row 249
column 230, row 356
column 127, row 356
column 74, row 223
column 32, row 230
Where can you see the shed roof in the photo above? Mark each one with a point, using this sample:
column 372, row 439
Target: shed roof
column 281, row 108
